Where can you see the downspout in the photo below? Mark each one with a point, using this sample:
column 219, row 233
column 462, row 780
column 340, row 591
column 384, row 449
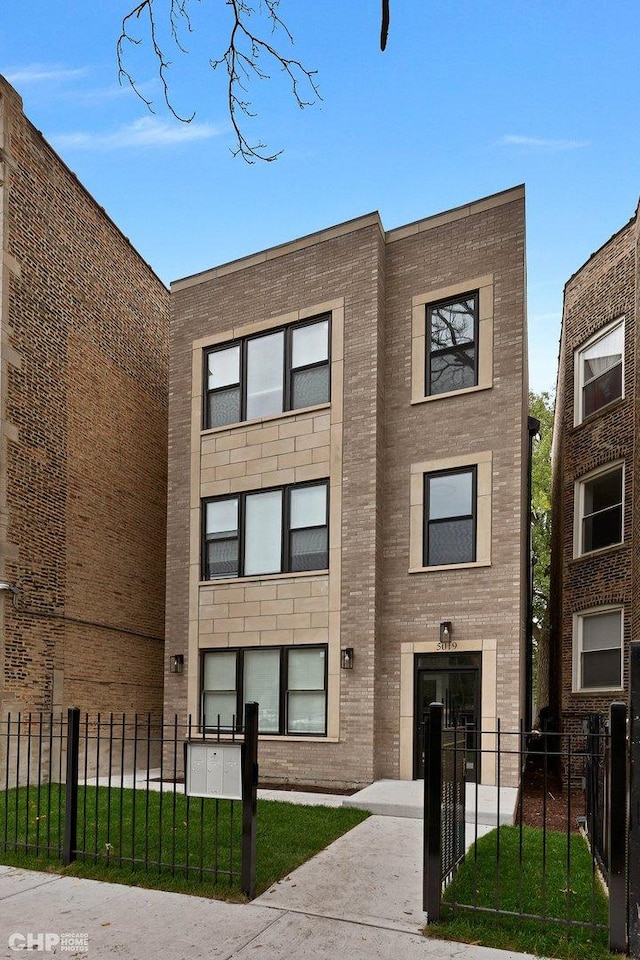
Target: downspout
column 534, row 429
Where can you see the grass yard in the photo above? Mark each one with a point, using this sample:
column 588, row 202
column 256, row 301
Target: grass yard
column 555, row 879
column 164, row 840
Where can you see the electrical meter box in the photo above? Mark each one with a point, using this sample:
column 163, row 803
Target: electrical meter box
column 213, row 770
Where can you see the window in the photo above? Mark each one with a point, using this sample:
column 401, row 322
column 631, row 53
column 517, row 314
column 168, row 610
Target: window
column 288, row 683
column 598, row 650
column 451, row 339
column 600, row 510
column 266, row 374
column 283, row 530
column 599, row 371
column 450, row 517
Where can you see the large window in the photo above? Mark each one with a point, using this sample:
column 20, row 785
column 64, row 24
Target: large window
column 288, row 683
column 600, row 499
column 451, row 344
column 599, row 371
column 283, row 530
column 450, row 517
column 266, row 374
column 598, row 650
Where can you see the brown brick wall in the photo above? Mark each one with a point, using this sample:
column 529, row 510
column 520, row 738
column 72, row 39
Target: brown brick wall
column 84, row 418
column 600, row 292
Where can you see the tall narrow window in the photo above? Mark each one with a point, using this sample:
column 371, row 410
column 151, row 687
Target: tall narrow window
column 219, row 696
column 269, row 373
column 601, row 521
column 599, row 651
column 262, row 685
column 221, row 538
column 600, row 371
column 452, row 334
column 263, row 533
column 450, row 517
column 223, row 386
column 309, row 532
column 306, row 690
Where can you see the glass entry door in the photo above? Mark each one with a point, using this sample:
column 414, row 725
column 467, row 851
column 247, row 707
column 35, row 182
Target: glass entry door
column 453, row 680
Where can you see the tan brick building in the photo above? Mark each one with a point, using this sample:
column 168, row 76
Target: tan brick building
column 347, row 474
column 83, row 421
column 595, row 557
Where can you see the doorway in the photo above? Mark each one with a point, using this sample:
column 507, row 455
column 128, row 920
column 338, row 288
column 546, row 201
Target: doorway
column 452, row 679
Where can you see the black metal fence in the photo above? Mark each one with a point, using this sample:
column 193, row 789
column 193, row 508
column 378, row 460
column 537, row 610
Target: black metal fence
column 535, row 861
column 111, row 791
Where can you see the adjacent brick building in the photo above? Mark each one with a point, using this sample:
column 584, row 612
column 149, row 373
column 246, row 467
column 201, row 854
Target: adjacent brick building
column 83, row 427
column 347, row 490
column 595, row 599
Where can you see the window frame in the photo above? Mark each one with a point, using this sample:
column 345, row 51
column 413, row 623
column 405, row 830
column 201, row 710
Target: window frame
column 579, row 511
column 283, row 699
column 429, row 353
column 579, row 383
column 288, row 370
column 285, row 547
column 577, row 640
column 427, row 476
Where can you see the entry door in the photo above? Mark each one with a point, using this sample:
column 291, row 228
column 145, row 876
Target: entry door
column 455, row 682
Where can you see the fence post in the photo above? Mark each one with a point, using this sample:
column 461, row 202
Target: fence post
column 617, row 827
column 634, row 799
column 71, row 802
column 249, row 800
column 432, row 853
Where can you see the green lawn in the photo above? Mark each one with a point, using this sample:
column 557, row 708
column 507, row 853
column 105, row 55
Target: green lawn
column 553, row 879
column 165, row 841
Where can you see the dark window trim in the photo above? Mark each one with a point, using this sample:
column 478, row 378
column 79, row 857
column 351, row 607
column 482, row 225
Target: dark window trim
column 429, row 353
column 283, row 718
column 285, row 552
column 287, row 366
column 427, row 522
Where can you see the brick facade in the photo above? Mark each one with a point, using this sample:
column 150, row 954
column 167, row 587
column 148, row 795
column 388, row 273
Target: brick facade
column 83, row 421
column 602, row 291
column 367, row 442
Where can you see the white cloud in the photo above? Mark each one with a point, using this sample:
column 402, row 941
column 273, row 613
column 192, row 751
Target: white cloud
column 542, row 143
column 36, row 72
column 146, row 132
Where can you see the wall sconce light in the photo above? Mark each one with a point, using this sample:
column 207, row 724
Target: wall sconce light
column 6, row 587
column 446, row 640
column 176, row 663
column 346, row 658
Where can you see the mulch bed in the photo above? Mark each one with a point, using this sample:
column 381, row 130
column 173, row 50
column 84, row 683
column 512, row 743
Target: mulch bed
column 545, row 800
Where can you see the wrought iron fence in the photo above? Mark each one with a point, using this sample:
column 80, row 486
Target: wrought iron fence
column 534, row 861
column 110, row 791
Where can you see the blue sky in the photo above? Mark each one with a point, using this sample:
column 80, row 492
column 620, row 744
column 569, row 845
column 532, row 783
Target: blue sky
column 471, row 97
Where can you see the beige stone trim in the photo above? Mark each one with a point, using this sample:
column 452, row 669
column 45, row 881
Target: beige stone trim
column 457, row 213
column 483, row 463
column 488, row 706
column 296, row 445
column 485, row 287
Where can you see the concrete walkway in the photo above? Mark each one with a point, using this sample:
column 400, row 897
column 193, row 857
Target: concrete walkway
column 360, row 898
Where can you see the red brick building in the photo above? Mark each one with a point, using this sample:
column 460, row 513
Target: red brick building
column 83, row 437
column 595, row 559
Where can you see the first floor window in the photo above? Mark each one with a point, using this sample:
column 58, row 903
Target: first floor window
column 598, row 653
column 288, row 683
column 601, row 498
column 450, row 517
column 283, row 530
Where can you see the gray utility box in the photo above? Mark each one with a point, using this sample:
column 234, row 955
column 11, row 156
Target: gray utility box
column 213, row 770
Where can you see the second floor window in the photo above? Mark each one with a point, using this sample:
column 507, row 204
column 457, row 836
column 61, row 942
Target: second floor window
column 283, row 530
column 599, row 369
column 450, row 517
column 601, row 500
column 452, row 339
column 267, row 374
